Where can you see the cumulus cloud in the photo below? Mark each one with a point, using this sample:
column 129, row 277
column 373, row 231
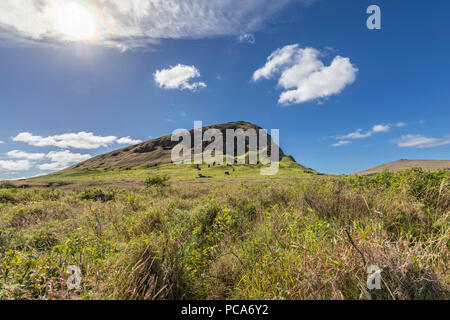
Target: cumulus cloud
column 381, row 128
column 420, row 141
column 80, row 140
column 304, row 76
column 179, row 78
column 59, row 160
column 131, row 23
column 280, row 57
column 13, row 165
column 341, row 143
column 17, row 154
column 1, row 142
column 62, row 159
column 67, row 157
column 128, row 140
column 54, row 166
column 360, row 134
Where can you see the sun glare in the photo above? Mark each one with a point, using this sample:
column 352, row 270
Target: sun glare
column 74, row 21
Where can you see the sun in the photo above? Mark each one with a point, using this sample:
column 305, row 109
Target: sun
column 75, row 21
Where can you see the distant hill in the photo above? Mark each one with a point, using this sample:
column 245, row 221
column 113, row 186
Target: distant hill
column 156, row 151
column 406, row 164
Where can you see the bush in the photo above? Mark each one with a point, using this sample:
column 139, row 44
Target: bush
column 7, row 185
column 162, row 181
column 42, row 240
column 96, row 195
column 430, row 187
column 57, row 184
column 6, row 196
column 26, row 215
column 427, row 186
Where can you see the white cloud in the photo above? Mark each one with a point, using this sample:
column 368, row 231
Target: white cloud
column 247, row 37
column 17, row 154
column 25, row 177
column 131, row 23
column 53, row 166
column 419, row 141
column 12, row 165
column 128, row 140
column 178, row 77
column 80, row 140
column 359, row 134
column 62, row 159
column 1, row 142
column 304, row 76
column 380, row 128
column 59, row 160
column 341, row 143
column 67, row 157
column 277, row 59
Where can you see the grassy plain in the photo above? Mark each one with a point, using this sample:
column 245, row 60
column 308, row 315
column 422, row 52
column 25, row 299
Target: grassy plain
column 296, row 235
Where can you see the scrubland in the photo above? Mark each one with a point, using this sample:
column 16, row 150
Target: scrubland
column 300, row 235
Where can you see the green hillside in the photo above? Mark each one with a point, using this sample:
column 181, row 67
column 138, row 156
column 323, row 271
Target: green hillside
column 288, row 169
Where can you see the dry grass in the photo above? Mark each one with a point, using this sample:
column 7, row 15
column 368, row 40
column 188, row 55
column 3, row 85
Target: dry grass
column 235, row 240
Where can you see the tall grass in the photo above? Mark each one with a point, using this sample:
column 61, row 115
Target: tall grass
column 297, row 239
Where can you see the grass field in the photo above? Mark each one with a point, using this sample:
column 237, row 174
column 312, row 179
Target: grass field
column 201, row 173
column 296, row 235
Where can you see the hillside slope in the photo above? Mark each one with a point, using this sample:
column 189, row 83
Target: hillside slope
column 155, row 151
column 406, row 164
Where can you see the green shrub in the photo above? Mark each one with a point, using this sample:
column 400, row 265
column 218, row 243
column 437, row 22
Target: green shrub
column 6, row 196
column 157, row 181
column 57, row 184
column 430, row 187
column 42, row 240
column 426, row 185
column 96, row 194
column 7, row 185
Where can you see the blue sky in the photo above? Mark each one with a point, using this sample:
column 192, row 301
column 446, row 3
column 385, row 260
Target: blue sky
column 71, row 90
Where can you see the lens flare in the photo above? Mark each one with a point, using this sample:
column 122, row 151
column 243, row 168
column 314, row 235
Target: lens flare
column 74, row 21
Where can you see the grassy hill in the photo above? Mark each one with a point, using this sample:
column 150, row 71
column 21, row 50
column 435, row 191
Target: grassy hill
column 157, row 151
column 128, row 166
column 133, row 175
column 406, row 164
column 154, row 230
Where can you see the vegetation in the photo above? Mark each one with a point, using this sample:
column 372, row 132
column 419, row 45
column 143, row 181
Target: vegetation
column 161, row 181
column 294, row 236
column 96, row 194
